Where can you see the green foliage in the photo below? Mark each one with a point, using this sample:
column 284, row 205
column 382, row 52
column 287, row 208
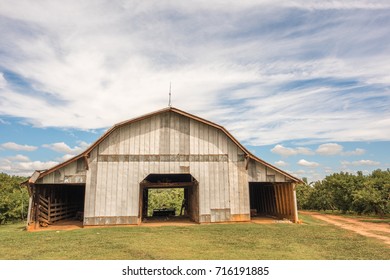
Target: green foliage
column 303, row 194
column 362, row 194
column 165, row 198
column 320, row 198
column 13, row 198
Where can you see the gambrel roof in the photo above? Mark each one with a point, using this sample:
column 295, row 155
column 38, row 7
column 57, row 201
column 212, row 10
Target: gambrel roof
column 85, row 154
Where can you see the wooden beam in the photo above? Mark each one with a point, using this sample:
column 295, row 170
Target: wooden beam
column 167, row 185
column 86, row 161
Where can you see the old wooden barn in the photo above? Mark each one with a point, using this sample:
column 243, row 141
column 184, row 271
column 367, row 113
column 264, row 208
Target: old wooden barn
column 108, row 184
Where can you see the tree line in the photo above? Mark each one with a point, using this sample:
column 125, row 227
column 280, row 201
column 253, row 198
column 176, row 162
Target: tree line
column 362, row 194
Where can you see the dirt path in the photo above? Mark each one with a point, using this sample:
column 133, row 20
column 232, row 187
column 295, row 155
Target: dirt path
column 364, row 228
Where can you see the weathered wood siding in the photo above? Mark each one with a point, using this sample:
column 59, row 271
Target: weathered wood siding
column 72, row 173
column 170, row 143
column 167, row 143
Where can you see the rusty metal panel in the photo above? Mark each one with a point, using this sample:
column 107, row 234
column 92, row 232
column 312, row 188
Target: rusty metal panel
column 240, row 217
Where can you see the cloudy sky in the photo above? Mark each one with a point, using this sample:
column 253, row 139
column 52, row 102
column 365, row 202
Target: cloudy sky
column 305, row 85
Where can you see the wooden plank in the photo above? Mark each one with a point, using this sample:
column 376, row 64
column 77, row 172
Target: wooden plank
column 142, row 125
column 164, row 135
column 126, row 139
column 167, row 185
column 104, row 190
column 277, row 206
column 135, row 190
column 119, row 189
column 132, row 139
column 285, row 205
column 176, row 134
column 186, row 135
column 152, row 136
column 91, row 197
column 129, row 192
column 289, row 200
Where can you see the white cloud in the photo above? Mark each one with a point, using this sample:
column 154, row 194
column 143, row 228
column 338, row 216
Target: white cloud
column 65, row 157
column 18, row 158
column 356, row 152
column 283, row 151
column 306, row 163
column 281, row 163
column 329, row 149
column 3, row 81
column 362, row 162
column 61, row 147
column 22, row 166
column 286, row 151
column 18, row 147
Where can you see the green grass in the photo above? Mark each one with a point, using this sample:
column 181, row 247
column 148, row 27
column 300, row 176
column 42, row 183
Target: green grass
column 313, row 239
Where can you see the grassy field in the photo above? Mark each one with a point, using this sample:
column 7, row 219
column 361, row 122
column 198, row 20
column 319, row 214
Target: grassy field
column 312, row 240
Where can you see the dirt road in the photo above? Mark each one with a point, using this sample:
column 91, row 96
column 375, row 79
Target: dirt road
column 378, row 231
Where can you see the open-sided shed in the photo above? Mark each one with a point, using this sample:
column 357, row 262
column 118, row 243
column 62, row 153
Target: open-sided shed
column 108, row 183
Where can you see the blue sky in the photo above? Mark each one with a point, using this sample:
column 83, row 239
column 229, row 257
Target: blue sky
column 305, row 85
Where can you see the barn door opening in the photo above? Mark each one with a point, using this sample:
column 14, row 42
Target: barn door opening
column 58, row 204
column 169, row 198
column 262, row 200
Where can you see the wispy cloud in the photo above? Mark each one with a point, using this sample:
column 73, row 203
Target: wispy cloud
column 362, row 162
column 306, row 163
column 281, row 163
column 329, row 149
column 62, row 147
column 23, row 166
column 18, row 147
column 20, row 158
column 267, row 71
column 286, row 151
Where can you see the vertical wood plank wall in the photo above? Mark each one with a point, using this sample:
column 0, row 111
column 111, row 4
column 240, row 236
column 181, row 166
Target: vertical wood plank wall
column 172, row 143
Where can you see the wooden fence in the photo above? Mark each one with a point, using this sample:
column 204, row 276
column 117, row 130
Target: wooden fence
column 52, row 212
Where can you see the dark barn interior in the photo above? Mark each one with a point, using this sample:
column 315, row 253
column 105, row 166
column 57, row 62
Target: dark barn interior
column 57, row 202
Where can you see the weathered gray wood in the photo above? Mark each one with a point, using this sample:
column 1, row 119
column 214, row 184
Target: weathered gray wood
column 173, row 143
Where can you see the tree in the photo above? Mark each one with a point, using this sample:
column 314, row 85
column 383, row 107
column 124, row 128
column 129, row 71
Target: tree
column 303, row 192
column 342, row 185
column 13, row 198
column 363, row 194
column 321, row 198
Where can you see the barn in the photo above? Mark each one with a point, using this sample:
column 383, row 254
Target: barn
column 109, row 183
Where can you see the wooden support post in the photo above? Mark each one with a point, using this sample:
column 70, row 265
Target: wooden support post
column 284, row 199
column 295, row 218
